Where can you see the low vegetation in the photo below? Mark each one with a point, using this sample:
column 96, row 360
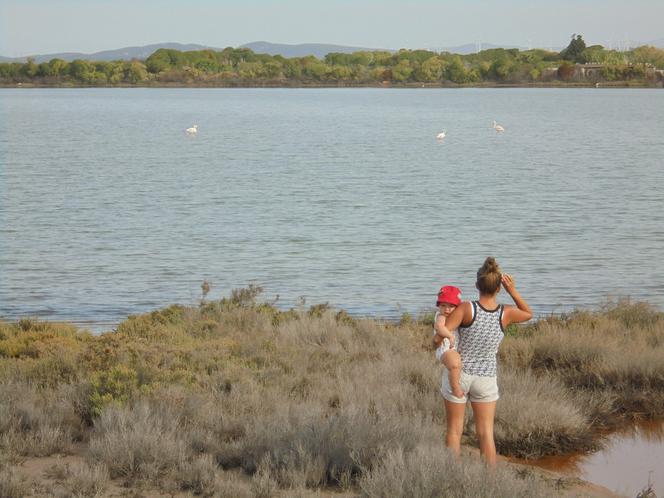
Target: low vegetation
column 242, row 67
column 238, row 398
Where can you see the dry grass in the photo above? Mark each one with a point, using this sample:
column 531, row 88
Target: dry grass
column 614, row 358
column 432, row 472
column 138, row 441
column 183, row 397
column 529, row 425
column 12, row 485
column 80, row 480
column 36, row 422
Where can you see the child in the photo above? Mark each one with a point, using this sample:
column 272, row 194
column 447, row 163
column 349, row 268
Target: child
column 449, row 297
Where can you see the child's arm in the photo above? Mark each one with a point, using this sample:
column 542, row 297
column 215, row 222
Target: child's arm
column 462, row 314
column 441, row 332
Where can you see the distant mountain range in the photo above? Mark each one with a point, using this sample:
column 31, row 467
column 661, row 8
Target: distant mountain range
column 126, row 53
column 319, row 50
column 262, row 47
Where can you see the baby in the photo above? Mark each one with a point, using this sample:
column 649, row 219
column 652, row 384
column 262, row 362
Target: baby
column 449, row 298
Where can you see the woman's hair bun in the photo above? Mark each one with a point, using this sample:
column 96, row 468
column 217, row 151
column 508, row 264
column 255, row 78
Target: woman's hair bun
column 488, row 276
column 490, row 265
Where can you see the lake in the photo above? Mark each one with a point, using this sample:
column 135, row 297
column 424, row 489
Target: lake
column 109, row 208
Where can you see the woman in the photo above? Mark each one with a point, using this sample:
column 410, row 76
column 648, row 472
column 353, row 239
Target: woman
column 481, row 325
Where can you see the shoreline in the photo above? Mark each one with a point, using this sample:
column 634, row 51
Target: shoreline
column 281, row 85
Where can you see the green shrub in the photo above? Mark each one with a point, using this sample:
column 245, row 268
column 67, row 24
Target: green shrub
column 115, row 385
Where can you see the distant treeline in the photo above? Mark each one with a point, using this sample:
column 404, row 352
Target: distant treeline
column 242, row 67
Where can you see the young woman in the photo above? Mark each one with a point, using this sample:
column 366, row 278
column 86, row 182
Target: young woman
column 481, row 325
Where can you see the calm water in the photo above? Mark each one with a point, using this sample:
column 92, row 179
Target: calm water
column 108, row 208
column 631, row 458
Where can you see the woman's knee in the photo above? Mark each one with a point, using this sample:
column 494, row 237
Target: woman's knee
column 484, row 433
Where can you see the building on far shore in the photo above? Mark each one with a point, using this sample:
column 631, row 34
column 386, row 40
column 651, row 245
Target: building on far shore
column 591, row 71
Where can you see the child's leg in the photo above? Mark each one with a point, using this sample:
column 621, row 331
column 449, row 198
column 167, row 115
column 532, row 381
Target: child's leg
column 452, row 361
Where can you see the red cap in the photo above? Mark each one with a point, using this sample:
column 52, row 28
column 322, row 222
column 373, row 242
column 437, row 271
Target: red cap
column 449, row 294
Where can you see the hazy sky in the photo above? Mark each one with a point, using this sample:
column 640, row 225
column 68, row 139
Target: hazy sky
column 47, row 26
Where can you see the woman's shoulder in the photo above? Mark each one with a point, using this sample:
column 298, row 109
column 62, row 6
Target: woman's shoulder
column 468, row 308
column 468, row 305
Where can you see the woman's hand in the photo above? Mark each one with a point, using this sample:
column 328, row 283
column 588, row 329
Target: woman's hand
column 522, row 312
column 508, row 283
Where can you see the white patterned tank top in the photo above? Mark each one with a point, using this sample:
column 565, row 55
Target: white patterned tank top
column 479, row 341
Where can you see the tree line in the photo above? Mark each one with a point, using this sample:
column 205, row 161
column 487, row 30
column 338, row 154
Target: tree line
column 241, row 66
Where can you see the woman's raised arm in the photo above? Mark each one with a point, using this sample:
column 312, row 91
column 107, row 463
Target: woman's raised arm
column 520, row 313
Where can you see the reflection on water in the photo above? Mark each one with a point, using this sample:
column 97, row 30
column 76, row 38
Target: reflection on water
column 629, row 459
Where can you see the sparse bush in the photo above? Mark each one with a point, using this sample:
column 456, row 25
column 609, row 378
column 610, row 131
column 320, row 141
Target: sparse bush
column 306, row 445
column 85, row 481
column 262, row 484
column 138, row 441
column 633, row 314
column 432, row 472
column 318, row 310
column 246, row 296
column 11, row 485
column 198, row 476
column 230, row 486
column 529, row 425
column 153, row 325
column 34, row 423
column 614, row 356
column 288, row 401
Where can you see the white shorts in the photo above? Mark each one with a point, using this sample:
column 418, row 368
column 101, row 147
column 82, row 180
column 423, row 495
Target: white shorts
column 476, row 389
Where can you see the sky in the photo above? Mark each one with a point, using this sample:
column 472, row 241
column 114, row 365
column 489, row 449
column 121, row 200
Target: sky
column 50, row 26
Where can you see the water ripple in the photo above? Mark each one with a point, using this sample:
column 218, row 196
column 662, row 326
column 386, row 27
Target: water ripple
column 342, row 196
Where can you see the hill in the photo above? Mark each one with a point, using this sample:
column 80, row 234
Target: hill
column 125, row 53
column 472, row 48
column 319, row 50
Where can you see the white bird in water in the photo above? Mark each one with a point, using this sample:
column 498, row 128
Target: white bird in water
column 441, row 135
column 497, row 127
column 193, row 130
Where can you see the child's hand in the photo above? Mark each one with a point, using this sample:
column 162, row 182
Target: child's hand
column 444, row 333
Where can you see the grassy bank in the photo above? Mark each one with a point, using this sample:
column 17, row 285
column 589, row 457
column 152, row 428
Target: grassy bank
column 237, row 398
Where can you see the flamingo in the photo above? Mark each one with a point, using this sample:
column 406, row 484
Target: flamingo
column 441, row 135
column 193, row 130
column 497, row 127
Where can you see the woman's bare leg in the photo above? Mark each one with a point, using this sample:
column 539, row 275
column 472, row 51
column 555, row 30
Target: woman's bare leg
column 484, row 414
column 455, row 413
